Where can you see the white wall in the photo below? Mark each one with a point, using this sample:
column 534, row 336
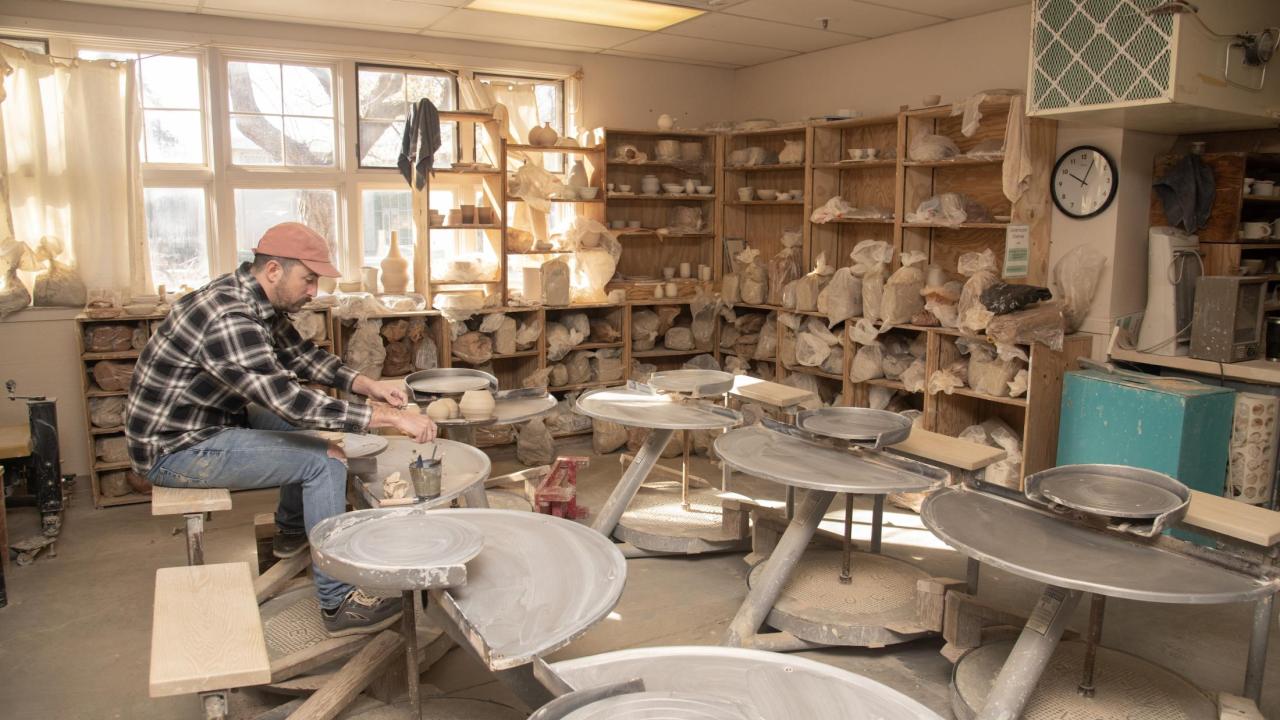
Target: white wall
column 38, row 349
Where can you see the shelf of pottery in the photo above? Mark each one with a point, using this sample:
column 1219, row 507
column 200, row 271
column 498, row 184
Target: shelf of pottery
column 661, row 200
column 110, row 343
column 1242, row 234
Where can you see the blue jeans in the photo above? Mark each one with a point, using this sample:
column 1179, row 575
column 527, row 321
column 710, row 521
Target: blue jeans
column 268, row 454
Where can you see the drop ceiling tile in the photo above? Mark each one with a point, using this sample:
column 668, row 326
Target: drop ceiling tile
column 952, row 9
column 749, row 31
column 845, row 16
column 393, row 14
column 677, row 49
column 172, row 5
column 668, row 58
column 508, row 41
column 504, row 27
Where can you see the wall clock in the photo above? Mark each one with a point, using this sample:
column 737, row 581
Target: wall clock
column 1084, row 182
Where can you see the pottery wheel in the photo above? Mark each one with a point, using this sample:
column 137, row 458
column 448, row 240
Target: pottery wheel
column 509, row 412
column 772, row 685
column 394, row 548
column 663, row 706
column 1108, row 496
column 637, row 408
column 1128, row 687
column 699, row 383
column 856, row 424
column 462, row 468
column 788, row 460
column 442, row 708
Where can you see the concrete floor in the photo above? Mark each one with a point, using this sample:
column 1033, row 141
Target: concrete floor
column 75, row 638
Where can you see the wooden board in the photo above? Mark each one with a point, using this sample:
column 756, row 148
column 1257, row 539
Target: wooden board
column 181, row 501
column 15, row 441
column 1232, row 518
column 206, row 633
column 949, row 450
column 770, row 393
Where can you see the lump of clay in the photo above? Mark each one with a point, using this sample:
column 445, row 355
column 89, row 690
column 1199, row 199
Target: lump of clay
column 603, row 331
column 399, row 360
column 443, row 409
column 555, row 283
column 607, row 365
column 473, row 347
column 106, row 412
column 559, row 375
column 108, row 338
column 578, row 367
column 113, row 376
column 534, row 445
column 607, row 436
column 504, row 338
column 111, row 449
column 365, row 352
column 678, row 338
column 114, row 484
column 644, row 329
column 396, row 487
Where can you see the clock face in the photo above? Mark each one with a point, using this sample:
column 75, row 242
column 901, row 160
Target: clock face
column 1084, row 182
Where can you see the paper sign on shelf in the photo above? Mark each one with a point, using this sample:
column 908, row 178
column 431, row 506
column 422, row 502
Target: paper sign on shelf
column 1017, row 251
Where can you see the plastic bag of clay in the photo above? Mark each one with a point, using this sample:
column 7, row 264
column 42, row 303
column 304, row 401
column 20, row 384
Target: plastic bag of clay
column 731, row 289
column 864, row 332
column 704, row 309
column 989, row 374
column 534, row 445
column 578, row 366
column 1075, row 279
column 808, row 288
column 1002, row 298
column 108, row 338
column 814, row 326
column 111, row 449
column 767, row 345
column 14, row 256
column 811, row 351
column 603, row 331
column 113, row 376
column 606, row 436
column 356, row 306
column 685, row 219
column 989, row 149
column 915, row 416
column 949, row 210
column 792, row 152
column 913, row 377
column 1018, row 385
column 728, row 337
column 878, row 397
column 310, row 325
column 678, row 338
column 940, row 301
column 789, row 295
column 754, row 286
column 841, row 299
column 785, row 266
column 868, row 363
column 474, row 348
column 947, row 379
column 1043, row 323
column 667, row 315
column 791, row 321
column 559, row 341
column 896, row 363
column 803, row 381
column 59, row 285
column 504, row 337
column 527, row 331
column 644, row 329
column 539, row 378
column 901, row 297
column 833, row 209
column 749, row 323
column 871, row 262
column 558, row 375
column 736, row 365
column 596, row 254
column 834, row 363
column 535, row 186
column 578, row 324
column 106, row 412
column 928, row 148
column 787, row 348
column 701, row 362
column 365, row 352
column 981, row 269
column 399, row 360
column 425, row 355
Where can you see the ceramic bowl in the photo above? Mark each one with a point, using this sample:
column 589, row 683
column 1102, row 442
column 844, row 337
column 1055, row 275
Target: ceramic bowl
column 617, row 224
column 633, row 223
column 624, row 188
column 673, row 188
column 746, row 193
column 1252, row 266
column 705, row 189
column 782, row 197
column 588, row 193
column 767, row 194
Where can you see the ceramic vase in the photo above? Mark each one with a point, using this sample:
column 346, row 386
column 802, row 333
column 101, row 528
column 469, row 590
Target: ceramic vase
column 578, row 175
column 369, row 279
column 665, row 122
column 395, row 268
column 477, row 404
column 544, row 136
column 649, row 185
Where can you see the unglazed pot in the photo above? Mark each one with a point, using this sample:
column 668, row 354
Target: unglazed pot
column 477, row 404
column 544, row 136
column 395, row 268
column 666, row 122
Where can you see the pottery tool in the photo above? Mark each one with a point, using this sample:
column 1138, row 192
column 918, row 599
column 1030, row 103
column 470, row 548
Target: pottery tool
column 649, row 521
column 1089, row 529
column 821, row 597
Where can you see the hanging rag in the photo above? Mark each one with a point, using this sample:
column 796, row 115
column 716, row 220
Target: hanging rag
column 971, row 108
column 1016, row 169
column 420, row 141
column 1186, row 192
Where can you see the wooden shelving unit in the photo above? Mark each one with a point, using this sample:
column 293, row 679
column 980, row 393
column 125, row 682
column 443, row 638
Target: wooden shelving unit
column 761, row 223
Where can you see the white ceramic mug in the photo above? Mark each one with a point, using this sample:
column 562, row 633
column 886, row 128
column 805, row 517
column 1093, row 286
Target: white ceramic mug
column 673, row 290
column 746, row 193
column 1256, row 230
column 870, row 153
column 1264, row 187
column 668, row 272
column 1248, row 186
column 855, row 153
column 704, row 273
column 633, row 223
column 686, row 270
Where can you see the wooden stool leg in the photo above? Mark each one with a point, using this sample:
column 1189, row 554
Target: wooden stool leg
column 195, row 538
column 409, row 632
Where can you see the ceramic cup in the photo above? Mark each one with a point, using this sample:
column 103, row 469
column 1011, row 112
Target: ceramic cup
column 782, row 197
column 673, row 290
column 633, row 223
column 796, row 194
column 704, row 273
column 1248, row 186
column 1264, row 187
column 746, row 193
column 856, row 154
column 686, row 270
column 610, row 187
column 870, row 153
column 1256, row 230
column 931, row 100
column 668, row 272
column 657, row 291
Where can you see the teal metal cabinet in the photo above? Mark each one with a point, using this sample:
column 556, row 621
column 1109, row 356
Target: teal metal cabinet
column 1178, row 427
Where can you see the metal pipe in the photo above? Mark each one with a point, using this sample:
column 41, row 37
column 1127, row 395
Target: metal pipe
column 626, row 488
column 791, row 502
column 1030, row 655
column 1097, row 608
column 409, row 631
column 846, row 557
column 195, row 538
column 1256, row 665
column 777, row 570
column 877, row 523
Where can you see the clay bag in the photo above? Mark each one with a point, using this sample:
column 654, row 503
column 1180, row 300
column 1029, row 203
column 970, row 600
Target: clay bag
column 399, row 359
column 841, row 299
column 578, row 366
column 113, row 376
column 901, row 297
column 108, row 338
column 767, row 344
column 111, row 449
column 678, row 338
column 972, row 315
column 534, row 445
column 365, row 352
column 607, row 436
column 606, row 365
column 1042, row 323
column 603, row 331
column 504, row 338
column 868, row 363
column 106, row 412
column 473, row 347
column 784, row 268
column 644, row 329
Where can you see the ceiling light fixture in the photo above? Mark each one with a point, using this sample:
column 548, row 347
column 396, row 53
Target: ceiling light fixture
column 630, row 14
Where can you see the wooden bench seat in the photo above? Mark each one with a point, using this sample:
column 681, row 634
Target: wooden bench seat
column 15, row 441
column 1249, row 523
column 950, row 451
column 185, row 501
column 206, row 633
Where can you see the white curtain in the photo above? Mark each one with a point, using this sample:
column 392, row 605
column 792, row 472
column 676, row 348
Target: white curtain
column 69, row 138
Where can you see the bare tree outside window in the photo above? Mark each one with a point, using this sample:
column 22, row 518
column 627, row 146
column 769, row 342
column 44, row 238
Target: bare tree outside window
column 385, row 95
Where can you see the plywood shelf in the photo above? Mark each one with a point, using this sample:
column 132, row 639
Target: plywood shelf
column 118, row 355
column 856, row 164
column 816, row 372
column 632, row 232
column 968, row 392
column 560, row 200
column 962, row 226
column 106, row 431
column 465, row 227
column 585, row 386
column 556, row 149
column 1263, row 198
column 857, row 221
column 466, row 171
column 797, row 204
column 953, row 162
column 104, row 467
column 127, row 499
column 677, row 164
column 887, row 383
column 776, row 167
column 784, row 130
column 633, row 197
column 668, row 353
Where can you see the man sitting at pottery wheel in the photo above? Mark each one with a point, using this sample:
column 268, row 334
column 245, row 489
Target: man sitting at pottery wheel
column 221, row 385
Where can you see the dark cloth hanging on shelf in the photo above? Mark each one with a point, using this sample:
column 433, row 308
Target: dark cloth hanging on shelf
column 419, row 142
column 1186, row 193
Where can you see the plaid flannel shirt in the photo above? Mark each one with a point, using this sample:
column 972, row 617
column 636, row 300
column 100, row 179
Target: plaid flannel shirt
column 222, row 347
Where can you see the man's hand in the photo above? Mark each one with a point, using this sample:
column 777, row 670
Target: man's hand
column 417, row 426
column 391, row 393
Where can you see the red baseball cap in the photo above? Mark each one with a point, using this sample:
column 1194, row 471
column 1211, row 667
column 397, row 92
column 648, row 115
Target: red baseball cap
column 297, row 241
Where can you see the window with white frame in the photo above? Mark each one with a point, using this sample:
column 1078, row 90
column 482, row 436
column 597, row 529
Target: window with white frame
column 257, row 209
column 281, row 114
column 175, row 171
column 548, row 97
column 39, row 46
column 385, row 95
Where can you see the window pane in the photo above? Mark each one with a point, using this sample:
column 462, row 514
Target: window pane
column 308, row 91
column 31, row 45
column 308, row 141
column 254, row 87
column 177, row 237
column 256, row 140
column 381, row 95
column 106, row 55
column 173, row 136
column 170, row 81
column 257, row 210
column 437, row 88
column 383, row 211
